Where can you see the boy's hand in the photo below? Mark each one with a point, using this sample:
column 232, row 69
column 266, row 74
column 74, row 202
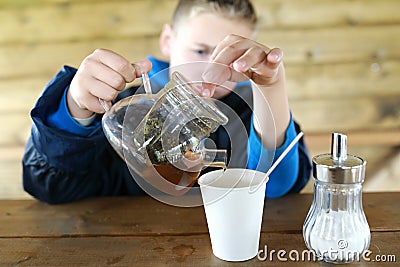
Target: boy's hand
column 265, row 68
column 103, row 74
column 259, row 63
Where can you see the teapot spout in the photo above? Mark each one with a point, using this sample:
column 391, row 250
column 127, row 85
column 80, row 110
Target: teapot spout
column 214, row 158
column 204, row 157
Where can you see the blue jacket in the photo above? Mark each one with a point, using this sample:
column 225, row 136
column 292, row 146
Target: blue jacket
column 64, row 161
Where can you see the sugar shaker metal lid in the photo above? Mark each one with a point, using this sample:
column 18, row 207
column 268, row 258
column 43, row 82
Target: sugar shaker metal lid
column 338, row 167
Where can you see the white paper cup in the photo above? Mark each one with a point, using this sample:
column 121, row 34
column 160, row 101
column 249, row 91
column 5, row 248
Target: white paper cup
column 234, row 202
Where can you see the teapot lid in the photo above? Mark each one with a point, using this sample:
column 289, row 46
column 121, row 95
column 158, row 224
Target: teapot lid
column 338, row 167
column 206, row 105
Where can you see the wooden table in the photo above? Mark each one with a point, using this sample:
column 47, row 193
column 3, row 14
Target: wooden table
column 140, row 231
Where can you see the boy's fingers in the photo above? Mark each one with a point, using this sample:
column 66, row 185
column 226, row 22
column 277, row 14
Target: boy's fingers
column 253, row 57
column 231, row 52
column 100, row 89
column 259, row 61
column 218, row 74
column 219, row 69
column 116, row 62
column 266, row 71
column 274, row 58
column 93, row 104
column 243, row 56
column 235, row 66
column 103, row 73
column 215, row 74
column 142, row 66
column 228, row 40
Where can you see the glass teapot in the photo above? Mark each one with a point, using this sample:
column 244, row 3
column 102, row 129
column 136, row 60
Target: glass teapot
column 160, row 136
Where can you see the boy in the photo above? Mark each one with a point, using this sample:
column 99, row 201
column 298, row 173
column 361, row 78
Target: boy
column 68, row 158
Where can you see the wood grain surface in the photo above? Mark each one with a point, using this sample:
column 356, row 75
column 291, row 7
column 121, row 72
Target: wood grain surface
column 139, row 231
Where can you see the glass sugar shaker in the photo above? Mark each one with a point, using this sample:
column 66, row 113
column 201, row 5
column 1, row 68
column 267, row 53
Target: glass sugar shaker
column 336, row 228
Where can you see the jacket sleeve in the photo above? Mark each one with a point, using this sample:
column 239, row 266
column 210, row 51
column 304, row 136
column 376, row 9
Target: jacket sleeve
column 292, row 174
column 59, row 166
column 304, row 164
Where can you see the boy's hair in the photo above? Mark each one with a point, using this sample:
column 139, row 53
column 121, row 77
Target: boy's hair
column 232, row 9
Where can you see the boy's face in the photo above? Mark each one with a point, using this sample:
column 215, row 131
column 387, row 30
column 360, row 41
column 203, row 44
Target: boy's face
column 194, row 39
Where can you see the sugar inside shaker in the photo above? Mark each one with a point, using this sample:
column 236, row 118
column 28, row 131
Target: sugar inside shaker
column 336, row 229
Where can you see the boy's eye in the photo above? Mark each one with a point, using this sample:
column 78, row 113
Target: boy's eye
column 200, row 52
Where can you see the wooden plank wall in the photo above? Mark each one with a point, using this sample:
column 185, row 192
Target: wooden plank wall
column 342, row 61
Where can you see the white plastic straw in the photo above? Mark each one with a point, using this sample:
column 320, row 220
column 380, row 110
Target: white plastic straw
column 283, row 155
column 276, row 163
column 146, row 83
column 145, row 79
